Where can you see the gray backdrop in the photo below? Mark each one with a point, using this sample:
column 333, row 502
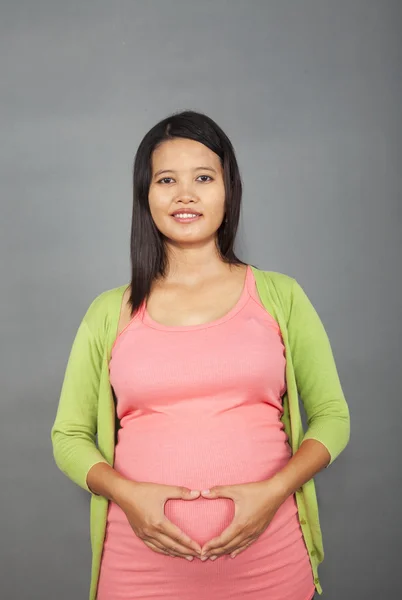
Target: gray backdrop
column 310, row 93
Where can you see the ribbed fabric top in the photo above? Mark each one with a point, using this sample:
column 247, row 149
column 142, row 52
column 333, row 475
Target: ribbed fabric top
column 200, row 406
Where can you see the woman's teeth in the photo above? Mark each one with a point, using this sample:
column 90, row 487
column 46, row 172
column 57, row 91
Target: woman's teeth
column 185, row 216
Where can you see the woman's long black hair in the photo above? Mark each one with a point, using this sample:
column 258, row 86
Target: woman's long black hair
column 148, row 251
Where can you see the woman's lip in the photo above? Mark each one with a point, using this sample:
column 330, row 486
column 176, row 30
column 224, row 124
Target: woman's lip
column 194, row 217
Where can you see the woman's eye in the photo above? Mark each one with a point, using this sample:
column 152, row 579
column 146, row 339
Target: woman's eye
column 167, row 180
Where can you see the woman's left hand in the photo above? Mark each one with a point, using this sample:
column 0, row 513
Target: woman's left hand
column 255, row 507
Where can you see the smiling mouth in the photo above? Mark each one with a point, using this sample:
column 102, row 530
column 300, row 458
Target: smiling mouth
column 185, row 217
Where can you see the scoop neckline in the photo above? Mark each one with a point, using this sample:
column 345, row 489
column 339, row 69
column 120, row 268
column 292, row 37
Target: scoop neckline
column 244, row 296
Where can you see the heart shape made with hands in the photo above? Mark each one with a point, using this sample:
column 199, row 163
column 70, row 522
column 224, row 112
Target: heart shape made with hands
column 202, row 519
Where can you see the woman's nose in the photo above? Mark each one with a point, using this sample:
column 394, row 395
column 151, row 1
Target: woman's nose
column 186, row 194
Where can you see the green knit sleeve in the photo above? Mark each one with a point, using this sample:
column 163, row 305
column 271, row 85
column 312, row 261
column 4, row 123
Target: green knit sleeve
column 316, row 375
column 73, row 433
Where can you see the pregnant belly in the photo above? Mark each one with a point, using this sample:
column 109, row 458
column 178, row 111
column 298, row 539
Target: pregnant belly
column 199, row 458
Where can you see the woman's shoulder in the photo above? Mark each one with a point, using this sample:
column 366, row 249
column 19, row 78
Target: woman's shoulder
column 274, row 278
column 105, row 304
column 277, row 289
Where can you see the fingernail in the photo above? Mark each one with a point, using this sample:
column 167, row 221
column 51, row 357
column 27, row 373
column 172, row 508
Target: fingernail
column 206, row 491
column 213, row 557
column 190, row 557
column 204, row 558
column 194, row 493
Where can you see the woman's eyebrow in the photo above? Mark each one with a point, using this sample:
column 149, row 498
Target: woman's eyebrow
column 173, row 171
column 205, row 169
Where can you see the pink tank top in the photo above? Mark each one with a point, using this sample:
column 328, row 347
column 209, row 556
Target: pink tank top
column 200, row 406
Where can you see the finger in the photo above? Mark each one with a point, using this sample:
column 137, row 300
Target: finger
column 177, row 535
column 157, row 548
column 236, row 543
column 181, row 492
column 175, row 547
column 160, row 549
column 220, row 491
column 241, row 549
column 224, row 539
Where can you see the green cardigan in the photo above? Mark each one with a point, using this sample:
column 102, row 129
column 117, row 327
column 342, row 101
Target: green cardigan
column 83, row 433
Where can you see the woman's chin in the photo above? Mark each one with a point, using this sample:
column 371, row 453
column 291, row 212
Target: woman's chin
column 190, row 239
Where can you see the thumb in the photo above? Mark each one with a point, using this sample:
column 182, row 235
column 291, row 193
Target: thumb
column 183, row 493
column 218, row 491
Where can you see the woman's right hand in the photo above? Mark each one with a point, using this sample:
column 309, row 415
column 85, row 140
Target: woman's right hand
column 143, row 505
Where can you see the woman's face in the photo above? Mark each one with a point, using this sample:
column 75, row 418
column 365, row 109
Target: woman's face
column 187, row 192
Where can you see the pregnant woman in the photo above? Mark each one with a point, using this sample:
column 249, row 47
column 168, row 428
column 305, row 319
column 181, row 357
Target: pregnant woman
column 179, row 410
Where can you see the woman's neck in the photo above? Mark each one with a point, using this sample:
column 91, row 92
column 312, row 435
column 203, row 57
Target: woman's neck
column 194, row 263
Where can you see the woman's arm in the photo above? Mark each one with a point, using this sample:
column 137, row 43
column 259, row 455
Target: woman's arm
column 103, row 480
column 320, row 390
column 321, row 393
column 310, row 459
column 318, row 383
column 73, row 433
